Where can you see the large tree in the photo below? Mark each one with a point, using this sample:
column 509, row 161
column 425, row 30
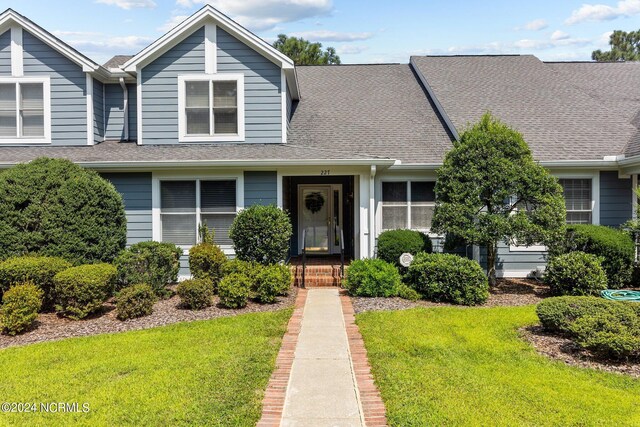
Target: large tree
column 490, row 190
column 303, row 52
column 625, row 46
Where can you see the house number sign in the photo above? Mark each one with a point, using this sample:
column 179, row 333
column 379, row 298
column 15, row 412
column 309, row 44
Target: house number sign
column 325, row 172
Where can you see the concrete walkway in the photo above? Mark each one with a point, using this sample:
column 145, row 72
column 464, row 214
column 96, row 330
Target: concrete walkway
column 322, row 389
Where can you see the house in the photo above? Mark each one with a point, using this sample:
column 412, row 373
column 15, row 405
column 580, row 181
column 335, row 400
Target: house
column 210, row 119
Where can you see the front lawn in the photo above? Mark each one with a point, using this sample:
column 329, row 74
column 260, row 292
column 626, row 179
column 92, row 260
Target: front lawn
column 201, row 373
column 453, row 366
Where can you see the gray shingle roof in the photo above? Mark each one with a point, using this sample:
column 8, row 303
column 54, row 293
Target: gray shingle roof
column 117, row 61
column 374, row 110
column 558, row 120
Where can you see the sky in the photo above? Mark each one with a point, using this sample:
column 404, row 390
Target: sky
column 361, row 31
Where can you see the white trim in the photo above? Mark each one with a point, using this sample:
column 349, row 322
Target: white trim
column 532, row 248
column 89, row 84
column 283, row 91
column 17, row 57
column 46, row 99
column 210, row 48
column 125, row 108
column 372, row 211
column 182, row 119
column 139, row 105
column 516, row 274
column 594, row 176
column 363, row 216
column 408, row 179
column 279, row 190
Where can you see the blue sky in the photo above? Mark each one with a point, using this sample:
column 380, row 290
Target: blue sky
column 362, row 31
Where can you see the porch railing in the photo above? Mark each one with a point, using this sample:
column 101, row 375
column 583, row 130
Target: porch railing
column 304, row 256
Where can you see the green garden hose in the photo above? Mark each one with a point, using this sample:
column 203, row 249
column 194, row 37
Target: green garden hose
column 615, row 295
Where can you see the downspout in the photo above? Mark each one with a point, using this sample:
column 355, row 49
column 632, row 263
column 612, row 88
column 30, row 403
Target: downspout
column 372, row 212
column 125, row 107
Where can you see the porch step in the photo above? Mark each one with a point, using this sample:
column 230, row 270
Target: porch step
column 317, row 275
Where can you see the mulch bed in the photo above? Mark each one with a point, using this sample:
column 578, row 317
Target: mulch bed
column 508, row 292
column 563, row 349
column 50, row 327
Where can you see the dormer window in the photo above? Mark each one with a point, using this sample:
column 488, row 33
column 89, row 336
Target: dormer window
column 25, row 112
column 211, row 108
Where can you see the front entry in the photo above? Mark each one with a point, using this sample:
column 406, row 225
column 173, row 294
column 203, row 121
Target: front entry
column 320, row 218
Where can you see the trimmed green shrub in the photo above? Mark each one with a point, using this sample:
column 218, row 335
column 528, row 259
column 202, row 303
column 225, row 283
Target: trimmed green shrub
column 261, row 234
column 135, row 301
column 615, row 247
column 406, row 292
column 393, row 243
column 196, row 294
column 246, row 268
column 575, row 273
column 81, row 290
column 270, row 282
column 234, row 290
column 38, row 270
column 206, row 262
column 20, row 306
column 54, row 207
column 611, row 334
column 372, row 278
column 150, row 262
column 558, row 313
column 448, row 278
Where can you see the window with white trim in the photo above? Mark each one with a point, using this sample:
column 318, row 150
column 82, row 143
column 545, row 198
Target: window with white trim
column 407, row 204
column 578, row 200
column 211, row 107
column 24, row 110
column 186, row 204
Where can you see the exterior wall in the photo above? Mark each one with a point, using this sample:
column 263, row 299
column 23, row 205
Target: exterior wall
column 133, row 112
column 263, row 99
column 98, row 111
column 260, row 188
column 615, row 199
column 516, row 261
column 5, row 53
column 68, row 90
column 114, row 112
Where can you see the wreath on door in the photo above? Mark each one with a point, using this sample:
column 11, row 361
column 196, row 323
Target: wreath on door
column 314, row 201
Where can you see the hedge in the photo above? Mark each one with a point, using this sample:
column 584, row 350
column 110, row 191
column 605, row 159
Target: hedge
column 393, row 243
column 82, row 290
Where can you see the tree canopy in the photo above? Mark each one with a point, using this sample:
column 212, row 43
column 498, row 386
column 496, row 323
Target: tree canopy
column 490, row 190
column 625, row 46
column 303, row 52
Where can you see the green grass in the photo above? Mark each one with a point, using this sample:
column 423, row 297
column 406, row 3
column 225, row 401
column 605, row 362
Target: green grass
column 453, row 366
column 201, row 373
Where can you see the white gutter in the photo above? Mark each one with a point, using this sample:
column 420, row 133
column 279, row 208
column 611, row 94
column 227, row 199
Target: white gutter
column 125, row 107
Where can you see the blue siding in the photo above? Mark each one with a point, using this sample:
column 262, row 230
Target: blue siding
column 68, row 90
column 114, row 112
column 615, row 199
column 515, row 262
column 260, row 188
column 98, row 111
column 5, row 53
column 160, row 88
column 135, row 189
column 133, row 112
column 263, row 100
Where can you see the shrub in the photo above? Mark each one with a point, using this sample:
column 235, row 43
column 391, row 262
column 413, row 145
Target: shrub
column 246, row 268
column 81, row 290
column 38, row 270
column 261, row 234
column 406, row 292
column 558, row 313
column 611, row 334
column 150, row 262
column 445, row 277
column 615, row 247
column 20, row 306
column 54, row 207
column 372, row 278
column 575, row 273
column 234, row 290
column 270, row 282
column 196, row 294
column 206, row 262
column 135, row 301
column 393, row 243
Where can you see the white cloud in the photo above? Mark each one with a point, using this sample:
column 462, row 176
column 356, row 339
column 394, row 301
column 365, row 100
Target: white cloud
column 350, row 49
column 333, row 36
column 130, row 4
column 559, row 35
column 100, row 47
column 519, row 46
column 603, row 12
column 261, row 15
column 535, row 25
column 172, row 22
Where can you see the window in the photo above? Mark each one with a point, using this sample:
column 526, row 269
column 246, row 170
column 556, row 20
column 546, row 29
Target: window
column 407, row 204
column 578, row 200
column 211, row 108
column 24, row 110
column 185, row 204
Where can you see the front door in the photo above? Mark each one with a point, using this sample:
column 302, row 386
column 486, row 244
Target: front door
column 320, row 218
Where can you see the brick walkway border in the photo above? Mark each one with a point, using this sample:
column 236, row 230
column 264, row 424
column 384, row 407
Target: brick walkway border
column 373, row 408
column 273, row 402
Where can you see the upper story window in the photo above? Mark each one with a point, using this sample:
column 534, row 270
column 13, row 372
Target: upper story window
column 211, row 108
column 25, row 112
column 578, row 200
column 408, row 204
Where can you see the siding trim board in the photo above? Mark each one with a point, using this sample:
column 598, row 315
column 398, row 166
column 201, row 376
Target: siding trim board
column 210, row 48
column 17, row 59
column 89, row 90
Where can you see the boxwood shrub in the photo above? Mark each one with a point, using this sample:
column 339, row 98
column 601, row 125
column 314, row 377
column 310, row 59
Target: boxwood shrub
column 154, row 263
column 575, row 273
column 558, row 313
column 271, row 281
column 448, row 278
column 234, row 290
column 206, row 262
column 38, row 270
column 196, row 294
column 135, row 301
column 372, row 278
column 20, row 306
column 246, row 268
column 82, row 290
column 393, row 243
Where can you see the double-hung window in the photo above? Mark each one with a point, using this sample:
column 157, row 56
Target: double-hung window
column 407, row 204
column 25, row 110
column 184, row 205
column 211, row 108
column 578, row 200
